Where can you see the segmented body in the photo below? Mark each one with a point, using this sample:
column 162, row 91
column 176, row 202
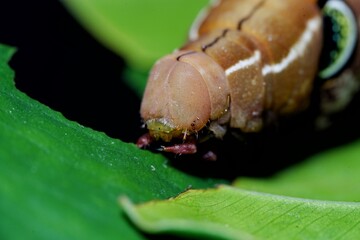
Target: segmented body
column 243, row 58
column 265, row 68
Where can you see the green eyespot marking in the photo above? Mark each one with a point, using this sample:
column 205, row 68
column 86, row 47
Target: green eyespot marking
column 340, row 37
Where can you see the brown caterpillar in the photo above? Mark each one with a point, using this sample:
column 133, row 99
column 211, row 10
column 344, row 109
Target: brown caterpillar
column 245, row 58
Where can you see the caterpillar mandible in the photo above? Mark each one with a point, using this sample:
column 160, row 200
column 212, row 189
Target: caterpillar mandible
column 245, row 58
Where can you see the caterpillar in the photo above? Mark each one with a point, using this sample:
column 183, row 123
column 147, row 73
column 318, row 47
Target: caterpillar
column 245, row 59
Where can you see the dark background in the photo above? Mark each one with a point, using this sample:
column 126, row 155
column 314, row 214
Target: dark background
column 61, row 65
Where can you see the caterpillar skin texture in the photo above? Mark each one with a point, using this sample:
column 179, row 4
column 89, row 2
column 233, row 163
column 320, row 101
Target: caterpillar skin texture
column 243, row 58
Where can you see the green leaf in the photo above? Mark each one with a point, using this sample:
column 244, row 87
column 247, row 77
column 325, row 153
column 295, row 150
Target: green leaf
column 331, row 175
column 266, row 208
column 232, row 213
column 60, row 180
column 141, row 31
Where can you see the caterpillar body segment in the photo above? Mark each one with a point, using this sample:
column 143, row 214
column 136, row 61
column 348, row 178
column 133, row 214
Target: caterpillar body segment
column 244, row 58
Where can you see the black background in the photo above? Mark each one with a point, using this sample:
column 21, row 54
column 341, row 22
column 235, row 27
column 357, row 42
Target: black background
column 65, row 68
column 61, row 65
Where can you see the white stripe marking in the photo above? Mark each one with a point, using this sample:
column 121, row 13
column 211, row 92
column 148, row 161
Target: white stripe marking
column 244, row 63
column 297, row 50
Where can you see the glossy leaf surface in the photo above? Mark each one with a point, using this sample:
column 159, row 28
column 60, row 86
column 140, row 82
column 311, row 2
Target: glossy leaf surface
column 60, row 180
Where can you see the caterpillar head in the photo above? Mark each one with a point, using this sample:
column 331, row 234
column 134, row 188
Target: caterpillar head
column 184, row 92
